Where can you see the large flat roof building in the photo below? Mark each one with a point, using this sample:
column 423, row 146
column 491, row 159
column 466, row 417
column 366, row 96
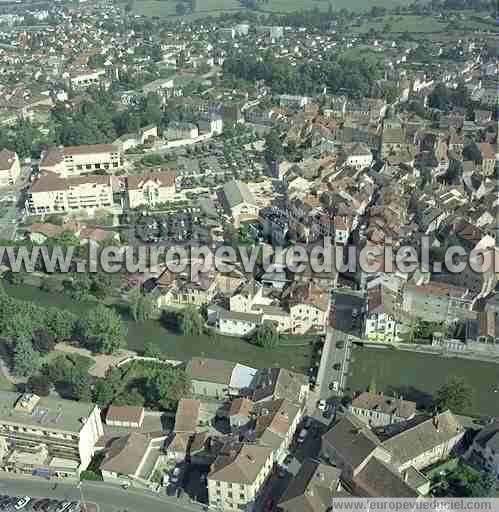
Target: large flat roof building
column 47, row 433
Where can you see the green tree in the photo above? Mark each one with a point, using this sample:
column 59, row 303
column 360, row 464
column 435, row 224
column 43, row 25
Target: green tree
column 103, row 393
column 103, row 329
column 132, row 397
column 455, row 395
column 26, row 360
column 81, row 386
column 43, row 342
column 267, row 335
column 141, row 306
column 61, row 324
column 274, row 151
column 152, row 350
column 192, row 323
column 78, row 286
column 39, row 385
column 166, row 387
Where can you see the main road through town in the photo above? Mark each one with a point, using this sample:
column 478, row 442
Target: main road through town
column 109, row 498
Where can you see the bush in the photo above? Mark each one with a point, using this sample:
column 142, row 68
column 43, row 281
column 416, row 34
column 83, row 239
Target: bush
column 95, row 476
column 39, row 385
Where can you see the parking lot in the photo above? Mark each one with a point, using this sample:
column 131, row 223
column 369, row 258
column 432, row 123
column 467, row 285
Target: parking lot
column 27, row 504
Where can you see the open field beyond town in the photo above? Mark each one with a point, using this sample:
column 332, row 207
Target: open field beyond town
column 167, row 8
column 179, row 347
column 418, row 376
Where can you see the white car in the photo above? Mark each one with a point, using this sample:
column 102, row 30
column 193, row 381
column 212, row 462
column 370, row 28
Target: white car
column 322, row 405
column 175, row 475
column 336, row 385
column 22, row 502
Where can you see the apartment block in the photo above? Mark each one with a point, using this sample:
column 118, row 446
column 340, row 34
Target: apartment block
column 47, row 435
column 83, row 78
column 76, row 160
column 52, row 194
column 10, row 168
column 238, row 476
column 150, row 190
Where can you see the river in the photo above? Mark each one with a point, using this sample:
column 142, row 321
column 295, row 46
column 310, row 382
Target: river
column 417, row 376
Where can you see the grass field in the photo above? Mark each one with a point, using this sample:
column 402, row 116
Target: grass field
column 400, row 24
column 179, row 347
column 165, row 8
column 363, row 54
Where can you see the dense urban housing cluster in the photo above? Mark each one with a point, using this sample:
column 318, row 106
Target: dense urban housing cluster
column 236, row 382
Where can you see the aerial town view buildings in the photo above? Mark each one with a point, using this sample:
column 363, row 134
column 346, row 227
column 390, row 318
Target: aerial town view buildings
column 218, row 142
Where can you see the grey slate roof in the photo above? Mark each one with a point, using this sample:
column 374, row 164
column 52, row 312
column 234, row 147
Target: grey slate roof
column 352, row 440
column 125, row 454
column 312, row 489
column 235, row 192
column 489, row 436
column 432, row 432
column 210, row 370
column 380, row 480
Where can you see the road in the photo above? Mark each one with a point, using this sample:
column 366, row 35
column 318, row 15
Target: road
column 334, row 353
column 109, row 498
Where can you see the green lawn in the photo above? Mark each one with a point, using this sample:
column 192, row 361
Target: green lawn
column 360, row 53
column 179, row 347
column 165, row 8
column 403, row 23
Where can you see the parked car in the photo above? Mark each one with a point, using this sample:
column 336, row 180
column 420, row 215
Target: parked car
column 322, row 405
column 41, row 504
column 340, row 344
column 63, row 507
column 302, row 435
column 176, row 474
column 282, row 471
column 337, row 366
column 22, row 502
